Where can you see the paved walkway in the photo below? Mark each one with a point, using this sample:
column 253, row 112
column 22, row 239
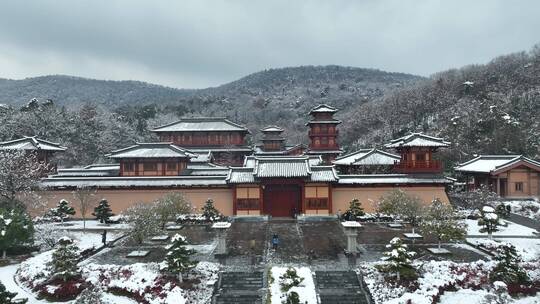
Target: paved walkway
column 525, row 221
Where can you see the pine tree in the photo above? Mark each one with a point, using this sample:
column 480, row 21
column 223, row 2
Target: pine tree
column 489, row 220
column 90, row 295
column 210, row 212
column 103, row 211
column 508, row 268
column 178, row 256
column 355, row 210
column 398, row 260
column 62, row 210
column 65, row 259
column 503, row 211
column 6, row 297
column 15, row 229
column 500, row 295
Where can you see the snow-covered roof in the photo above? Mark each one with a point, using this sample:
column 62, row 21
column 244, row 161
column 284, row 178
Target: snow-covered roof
column 200, row 150
column 495, row 163
column 323, row 108
column 367, row 157
column 201, row 124
column 272, row 129
column 31, row 143
column 417, row 140
column 152, row 150
column 89, row 171
column 127, row 182
column 367, row 179
column 256, row 168
column 257, row 150
column 202, row 157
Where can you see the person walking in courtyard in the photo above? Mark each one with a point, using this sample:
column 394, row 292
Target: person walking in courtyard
column 275, row 241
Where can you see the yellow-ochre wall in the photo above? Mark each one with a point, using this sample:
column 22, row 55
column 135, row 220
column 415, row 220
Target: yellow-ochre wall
column 369, row 196
column 121, row 199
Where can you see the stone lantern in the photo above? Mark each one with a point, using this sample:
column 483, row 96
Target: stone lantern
column 351, row 231
column 221, row 229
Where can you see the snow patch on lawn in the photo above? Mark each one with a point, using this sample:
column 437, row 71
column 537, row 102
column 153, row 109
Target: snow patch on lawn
column 306, row 290
column 511, row 230
column 528, row 248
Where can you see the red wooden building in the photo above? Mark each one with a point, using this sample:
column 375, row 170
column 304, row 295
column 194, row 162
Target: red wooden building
column 416, row 151
column 323, row 133
column 224, row 138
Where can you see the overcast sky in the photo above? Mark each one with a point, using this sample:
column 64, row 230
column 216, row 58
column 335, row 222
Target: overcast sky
column 191, row 44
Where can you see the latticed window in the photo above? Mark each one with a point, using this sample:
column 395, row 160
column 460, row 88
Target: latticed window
column 171, row 166
column 150, row 166
column 519, row 187
column 317, row 203
column 247, row 204
column 129, row 167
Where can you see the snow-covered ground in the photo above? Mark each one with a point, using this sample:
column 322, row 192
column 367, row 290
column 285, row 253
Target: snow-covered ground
column 306, row 290
column 90, row 225
column 512, row 229
column 528, row 208
column 470, row 296
column 7, row 277
column 528, row 248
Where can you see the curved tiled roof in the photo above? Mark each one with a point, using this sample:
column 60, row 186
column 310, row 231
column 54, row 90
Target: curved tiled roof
column 31, row 143
column 493, row 163
column 152, row 150
column 417, row 140
column 201, row 124
column 367, row 157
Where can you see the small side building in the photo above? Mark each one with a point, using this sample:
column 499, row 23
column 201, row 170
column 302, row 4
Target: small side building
column 510, row 176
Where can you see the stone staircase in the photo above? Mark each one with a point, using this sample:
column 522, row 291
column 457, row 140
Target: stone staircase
column 339, row 287
column 239, row 288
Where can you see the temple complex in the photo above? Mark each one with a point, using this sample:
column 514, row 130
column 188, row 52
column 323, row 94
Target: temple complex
column 211, row 158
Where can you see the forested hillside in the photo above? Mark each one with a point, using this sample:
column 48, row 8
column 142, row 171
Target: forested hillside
column 492, row 108
column 93, row 117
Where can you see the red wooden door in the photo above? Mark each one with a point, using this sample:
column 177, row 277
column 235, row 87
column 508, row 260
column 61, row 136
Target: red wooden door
column 282, row 200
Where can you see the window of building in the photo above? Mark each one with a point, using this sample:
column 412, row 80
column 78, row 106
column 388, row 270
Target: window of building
column 317, row 203
column 129, row 167
column 247, row 198
column 519, row 186
column 316, row 197
column 171, row 166
column 420, row 157
column 247, row 204
column 150, row 166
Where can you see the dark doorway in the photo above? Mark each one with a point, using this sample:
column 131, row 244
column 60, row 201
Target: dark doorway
column 282, row 200
column 502, row 187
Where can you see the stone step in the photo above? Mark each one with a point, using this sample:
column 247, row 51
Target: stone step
column 238, row 299
column 343, row 299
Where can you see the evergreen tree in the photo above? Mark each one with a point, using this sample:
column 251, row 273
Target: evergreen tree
column 503, row 211
column 210, row 212
column 398, row 260
column 6, row 297
column 440, row 221
column 178, row 256
column 355, row 210
column 103, row 211
column 489, row 220
column 63, row 210
column 90, row 295
column 15, row 229
column 500, row 295
column 508, row 268
column 65, row 259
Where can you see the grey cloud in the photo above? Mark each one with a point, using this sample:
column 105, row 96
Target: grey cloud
column 205, row 43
